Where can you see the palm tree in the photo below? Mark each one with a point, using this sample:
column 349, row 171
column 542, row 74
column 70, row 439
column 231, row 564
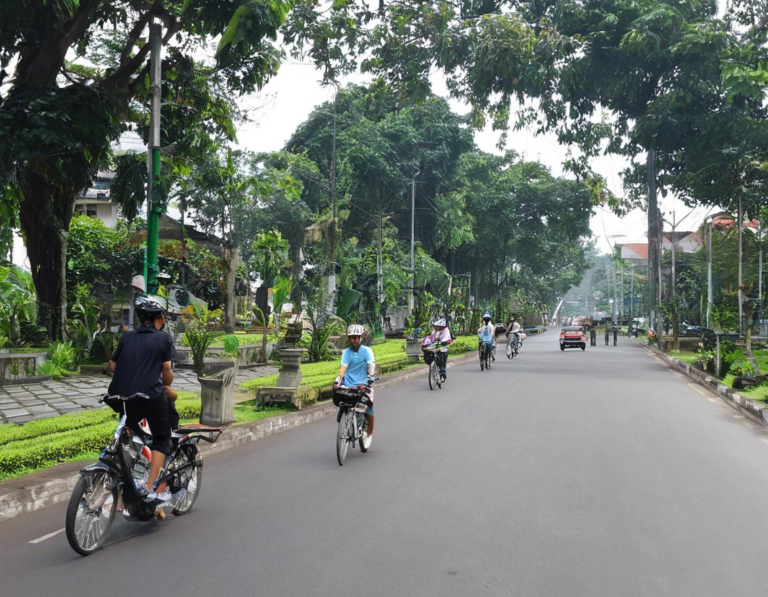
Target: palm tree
column 270, row 258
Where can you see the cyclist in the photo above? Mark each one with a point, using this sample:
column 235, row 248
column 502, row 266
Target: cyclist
column 440, row 334
column 487, row 331
column 141, row 363
column 358, row 366
column 515, row 328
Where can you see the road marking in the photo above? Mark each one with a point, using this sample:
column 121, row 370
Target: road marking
column 48, row 536
column 738, row 416
column 764, row 440
column 697, row 389
column 711, row 399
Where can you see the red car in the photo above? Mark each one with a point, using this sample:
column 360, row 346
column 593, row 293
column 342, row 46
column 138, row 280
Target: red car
column 573, row 336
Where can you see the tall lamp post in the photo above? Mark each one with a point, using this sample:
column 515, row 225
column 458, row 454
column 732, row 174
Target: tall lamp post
column 675, row 318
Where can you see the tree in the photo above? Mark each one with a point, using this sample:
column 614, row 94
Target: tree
column 270, row 257
column 58, row 117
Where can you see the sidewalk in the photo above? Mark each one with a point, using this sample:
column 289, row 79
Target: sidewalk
column 26, row 402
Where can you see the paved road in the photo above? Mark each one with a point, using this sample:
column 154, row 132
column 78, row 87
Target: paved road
column 597, row 473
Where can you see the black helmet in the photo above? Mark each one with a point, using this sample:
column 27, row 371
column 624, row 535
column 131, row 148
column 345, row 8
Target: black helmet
column 147, row 309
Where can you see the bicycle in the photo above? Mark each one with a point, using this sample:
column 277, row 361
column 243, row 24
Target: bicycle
column 352, row 405
column 436, row 360
column 484, row 349
column 513, row 346
column 122, row 465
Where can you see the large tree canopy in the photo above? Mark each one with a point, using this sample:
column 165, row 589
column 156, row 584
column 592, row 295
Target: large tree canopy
column 57, row 117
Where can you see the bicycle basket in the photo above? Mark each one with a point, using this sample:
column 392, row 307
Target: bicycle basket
column 429, row 356
column 346, row 397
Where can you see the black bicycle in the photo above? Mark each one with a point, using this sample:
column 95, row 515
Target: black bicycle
column 484, row 350
column 122, row 467
column 352, row 405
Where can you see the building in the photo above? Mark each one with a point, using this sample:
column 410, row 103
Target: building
column 95, row 200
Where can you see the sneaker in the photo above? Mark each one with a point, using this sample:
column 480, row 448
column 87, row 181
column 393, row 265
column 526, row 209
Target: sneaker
column 443, row 376
column 159, row 514
column 165, row 496
column 367, row 440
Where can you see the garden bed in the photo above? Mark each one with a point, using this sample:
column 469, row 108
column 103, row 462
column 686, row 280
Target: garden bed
column 46, row 442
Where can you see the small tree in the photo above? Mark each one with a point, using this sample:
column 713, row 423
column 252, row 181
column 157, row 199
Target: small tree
column 197, row 336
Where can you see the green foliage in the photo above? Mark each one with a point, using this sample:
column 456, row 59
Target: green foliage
column 63, row 355
column 321, row 328
column 198, row 338
column 231, row 344
column 49, row 369
column 270, row 255
column 17, row 303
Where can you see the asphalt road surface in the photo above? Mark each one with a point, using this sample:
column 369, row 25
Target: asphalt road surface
column 596, row 473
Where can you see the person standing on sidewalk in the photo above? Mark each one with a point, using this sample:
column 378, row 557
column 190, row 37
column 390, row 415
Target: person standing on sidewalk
column 592, row 335
column 607, row 332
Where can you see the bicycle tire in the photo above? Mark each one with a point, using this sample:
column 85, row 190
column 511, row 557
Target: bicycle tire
column 342, row 438
column 510, row 351
column 430, row 374
column 78, row 534
column 191, row 485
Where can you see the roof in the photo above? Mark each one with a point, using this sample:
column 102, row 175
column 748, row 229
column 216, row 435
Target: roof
column 635, row 251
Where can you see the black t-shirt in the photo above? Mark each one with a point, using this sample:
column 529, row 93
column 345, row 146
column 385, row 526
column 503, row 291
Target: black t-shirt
column 140, row 355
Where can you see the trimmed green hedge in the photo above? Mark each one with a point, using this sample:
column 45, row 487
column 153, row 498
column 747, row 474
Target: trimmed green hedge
column 46, row 442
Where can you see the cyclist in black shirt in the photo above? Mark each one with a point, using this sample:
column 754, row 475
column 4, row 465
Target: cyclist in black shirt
column 141, row 363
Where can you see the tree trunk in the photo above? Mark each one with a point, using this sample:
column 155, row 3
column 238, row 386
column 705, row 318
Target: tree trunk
column 232, row 257
column 654, row 248
column 45, row 213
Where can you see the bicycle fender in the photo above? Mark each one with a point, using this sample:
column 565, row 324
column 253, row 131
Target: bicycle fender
column 96, row 467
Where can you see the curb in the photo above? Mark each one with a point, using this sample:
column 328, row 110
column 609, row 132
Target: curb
column 754, row 410
column 54, row 485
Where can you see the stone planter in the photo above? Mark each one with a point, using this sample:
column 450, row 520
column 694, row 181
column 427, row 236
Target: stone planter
column 413, row 349
column 217, row 397
column 290, row 368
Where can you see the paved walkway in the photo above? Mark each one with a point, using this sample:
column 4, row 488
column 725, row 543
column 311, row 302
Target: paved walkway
column 26, row 402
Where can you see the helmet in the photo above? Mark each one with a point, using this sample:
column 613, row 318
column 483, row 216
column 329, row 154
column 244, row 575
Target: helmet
column 148, row 309
column 355, row 330
column 487, row 316
column 439, row 322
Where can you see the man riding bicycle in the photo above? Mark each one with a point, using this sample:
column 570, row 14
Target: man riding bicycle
column 442, row 335
column 358, row 366
column 141, row 363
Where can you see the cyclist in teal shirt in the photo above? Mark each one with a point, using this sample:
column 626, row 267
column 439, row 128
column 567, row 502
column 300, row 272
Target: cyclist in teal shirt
column 358, row 366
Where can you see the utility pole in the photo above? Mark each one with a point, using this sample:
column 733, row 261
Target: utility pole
column 741, row 266
column 155, row 203
column 710, row 292
column 331, row 285
column 411, row 304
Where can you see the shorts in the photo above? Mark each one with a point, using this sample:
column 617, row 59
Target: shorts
column 156, row 411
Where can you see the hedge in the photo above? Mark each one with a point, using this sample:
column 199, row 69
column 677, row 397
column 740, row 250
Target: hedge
column 46, row 442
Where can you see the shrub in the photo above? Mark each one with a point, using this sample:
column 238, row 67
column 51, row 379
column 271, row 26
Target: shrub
column 64, row 355
column 49, row 369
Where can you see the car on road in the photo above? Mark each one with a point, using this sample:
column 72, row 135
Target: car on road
column 573, row 336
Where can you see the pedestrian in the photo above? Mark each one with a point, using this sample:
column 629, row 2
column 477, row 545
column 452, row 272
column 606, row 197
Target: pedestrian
column 607, row 332
column 592, row 336
column 615, row 334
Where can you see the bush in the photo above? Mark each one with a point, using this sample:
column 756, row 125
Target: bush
column 63, row 355
column 46, row 442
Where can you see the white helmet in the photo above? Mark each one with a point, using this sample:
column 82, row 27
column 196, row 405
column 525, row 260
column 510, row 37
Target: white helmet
column 439, row 322
column 487, row 316
column 355, row 330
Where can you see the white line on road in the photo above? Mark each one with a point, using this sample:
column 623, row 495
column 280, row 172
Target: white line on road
column 697, row 389
column 48, row 536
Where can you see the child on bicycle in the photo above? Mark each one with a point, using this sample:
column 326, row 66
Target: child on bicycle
column 440, row 334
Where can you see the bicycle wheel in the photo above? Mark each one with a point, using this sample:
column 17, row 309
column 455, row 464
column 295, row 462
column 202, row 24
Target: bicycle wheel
column 90, row 513
column 431, row 375
column 510, row 351
column 190, row 480
column 362, row 424
column 342, row 437
column 482, row 360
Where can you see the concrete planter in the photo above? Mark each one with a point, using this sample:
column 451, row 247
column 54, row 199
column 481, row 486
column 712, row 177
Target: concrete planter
column 217, row 397
column 413, row 349
column 290, row 368
column 20, row 367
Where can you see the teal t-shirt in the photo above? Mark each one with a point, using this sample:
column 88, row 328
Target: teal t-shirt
column 357, row 365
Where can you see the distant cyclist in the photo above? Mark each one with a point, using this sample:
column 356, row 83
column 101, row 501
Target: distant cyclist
column 440, row 334
column 358, row 366
column 515, row 332
column 487, row 331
